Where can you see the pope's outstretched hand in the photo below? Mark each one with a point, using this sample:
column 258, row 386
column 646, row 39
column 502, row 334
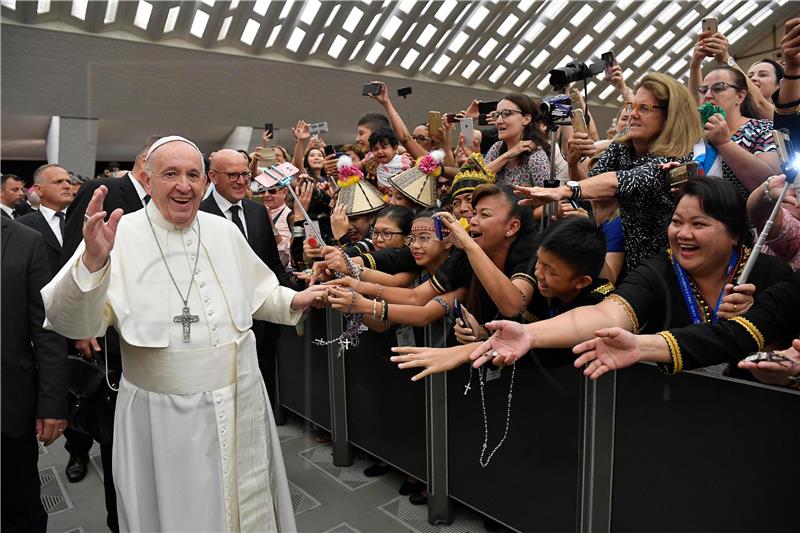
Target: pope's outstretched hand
column 99, row 235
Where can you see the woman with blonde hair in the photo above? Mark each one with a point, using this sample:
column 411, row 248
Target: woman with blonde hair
column 663, row 127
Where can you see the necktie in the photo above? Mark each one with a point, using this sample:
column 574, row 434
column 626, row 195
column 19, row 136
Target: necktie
column 236, row 220
column 146, row 199
column 60, row 216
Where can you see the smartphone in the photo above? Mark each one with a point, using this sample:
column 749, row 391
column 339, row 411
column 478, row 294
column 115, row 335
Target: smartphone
column 330, row 150
column 269, row 128
column 266, row 156
column 434, row 121
column 370, row 88
column 467, row 130
column 578, row 122
column 318, row 128
column 457, row 311
column 450, row 117
column 682, row 174
column 485, row 108
column 438, row 228
column 709, row 24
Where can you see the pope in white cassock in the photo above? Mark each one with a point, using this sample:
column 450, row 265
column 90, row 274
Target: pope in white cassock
column 195, row 444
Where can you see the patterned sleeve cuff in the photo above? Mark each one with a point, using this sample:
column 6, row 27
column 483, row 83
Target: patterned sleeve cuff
column 622, row 302
column 674, row 352
column 437, row 286
column 751, row 328
column 370, row 260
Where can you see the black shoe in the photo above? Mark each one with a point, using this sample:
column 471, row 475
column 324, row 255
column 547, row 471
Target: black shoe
column 77, row 468
column 408, row 486
column 378, row 469
column 419, row 498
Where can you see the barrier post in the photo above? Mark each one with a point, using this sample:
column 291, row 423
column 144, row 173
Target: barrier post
column 596, row 445
column 440, row 508
column 343, row 453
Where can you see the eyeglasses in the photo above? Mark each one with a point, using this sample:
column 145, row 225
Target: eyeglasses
column 420, row 138
column 716, row 88
column 644, row 109
column 423, row 240
column 385, row 235
column 273, row 191
column 505, row 113
column 234, row 176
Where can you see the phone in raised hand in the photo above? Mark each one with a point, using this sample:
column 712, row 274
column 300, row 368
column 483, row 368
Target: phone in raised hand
column 467, row 131
column 710, row 24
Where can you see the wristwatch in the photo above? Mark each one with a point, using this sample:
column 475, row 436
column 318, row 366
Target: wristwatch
column 731, row 62
column 575, row 187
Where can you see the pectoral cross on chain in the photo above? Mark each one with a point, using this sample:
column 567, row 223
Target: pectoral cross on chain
column 186, row 319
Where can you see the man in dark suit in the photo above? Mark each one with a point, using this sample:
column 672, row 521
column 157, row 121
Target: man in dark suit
column 126, row 193
column 51, row 183
column 12, row 197
column 34, row 377
column 230, row 175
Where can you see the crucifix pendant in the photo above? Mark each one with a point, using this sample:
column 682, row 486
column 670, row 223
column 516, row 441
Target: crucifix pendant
column 186, row 319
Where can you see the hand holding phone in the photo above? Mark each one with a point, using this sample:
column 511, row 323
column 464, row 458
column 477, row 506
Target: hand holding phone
column 434, row 122
column 467, row 130
column 709, row 24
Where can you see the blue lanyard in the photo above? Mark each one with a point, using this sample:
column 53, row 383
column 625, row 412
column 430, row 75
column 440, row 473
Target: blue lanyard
column 688, row 294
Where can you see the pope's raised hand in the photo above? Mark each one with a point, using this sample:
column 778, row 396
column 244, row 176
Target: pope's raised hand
column 99, row 235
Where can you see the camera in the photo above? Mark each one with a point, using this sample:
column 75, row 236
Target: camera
column 572, row 72
column 556, row 110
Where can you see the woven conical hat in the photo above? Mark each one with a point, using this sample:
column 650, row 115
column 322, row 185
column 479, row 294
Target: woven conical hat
column 360, row 198
column 416, row 186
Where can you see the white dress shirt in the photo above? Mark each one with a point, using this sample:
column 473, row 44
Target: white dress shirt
column 52, row 220
column 138, row 186
column 225, row 207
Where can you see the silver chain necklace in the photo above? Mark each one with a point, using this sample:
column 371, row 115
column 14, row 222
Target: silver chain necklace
column 481, row 381
column 186, row 318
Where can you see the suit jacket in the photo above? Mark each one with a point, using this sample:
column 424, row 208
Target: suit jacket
column 121, row 195
column 34, row 371
column 259, row 234
column 36, row 220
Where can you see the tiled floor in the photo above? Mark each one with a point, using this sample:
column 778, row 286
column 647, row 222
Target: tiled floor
column 326, row 498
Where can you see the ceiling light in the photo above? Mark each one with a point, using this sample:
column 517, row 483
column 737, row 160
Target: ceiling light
column 556, row 41
column 748, row 8
column 534, row 31
column 688, row 19
column 525, row 5
column 515, row 53
column 172, row 18
column 553, row 8
column 667, row 37
column 644, row 58
column 625, row 28
column 507, row 24
column 372, row 25
column 336, row 47
column 622, row 56
column 447, row 7
column 583, row 43
column 487, row 48
column 607, row 19
column 647, row 7
column 352, row 20
column 497, row 74
column 622, row 5
column 522, row 78
column 440, row 64
column 726, row 6
column 684, row 43
column 544, row 83
column 477, row 17
column 539, row 59
column 391, row 57
column 659, row 64
column 233, row 5
column 607, row 91
column 736, row 35
column 408, row 61
column 645, row 35
column 143, row 12
column 667, row 14
column 677, row 67
column 375, row 53
column 755, row 21
column 250, row 31
column 199, row 23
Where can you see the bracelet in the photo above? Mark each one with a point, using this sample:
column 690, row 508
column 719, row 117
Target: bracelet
column 385, row 312
column 439, row 300
column 767, row 197
column 374, row 308
column 380, row 291
column 298, row 232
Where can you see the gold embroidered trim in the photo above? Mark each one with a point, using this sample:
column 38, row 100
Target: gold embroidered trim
column 437, row 286
column 526, row 277
column 622, row 302
column 751, row 329
column 370, row 260
column 605, row 288
column 674, row 351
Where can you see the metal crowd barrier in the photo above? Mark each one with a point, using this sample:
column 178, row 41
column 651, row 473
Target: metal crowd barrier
column 636, row 451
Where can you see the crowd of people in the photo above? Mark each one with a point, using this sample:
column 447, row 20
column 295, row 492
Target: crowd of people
column 585, row 244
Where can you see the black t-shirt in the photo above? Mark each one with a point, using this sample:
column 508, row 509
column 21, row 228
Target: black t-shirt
column 654, row 294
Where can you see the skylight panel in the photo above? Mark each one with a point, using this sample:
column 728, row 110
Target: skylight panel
column 446, row 8
column 337, row 46
column 273, row 36
column 755, row 21
column 583, row 43
column 514, row 54
column 408, row 61
column 375, row 53
column 678, row 66
column 487, row 48
column 457, row 42
column 470, row 69
column 233, row 5
column 544, row 83
column 352, row 20
column 623, row 4
column 643, row 58
column 223, row 31
column 199, row 23
column 645, row 35
column 332, row 15
column 372, row 25
column 440, row 64
column 622, row 56
column 682, row 44
column 143, row 12
column 648, row 6
column 296, row 39
column 554, row 7
column 426, row 35
column 603, row 23
column 405, row 6
column 534, row 31
column 209, row 3
column 497, row 74
column 607, row 91
column 310, row 10
column 78, row 9
column 659, row 64
column 667, row 37
column 261, row 7
column 391, row 27
column 522, row 78
column 42, row 6
column 687, row 19
column 507, row 24
column 725, row 27
column 736, row 35
column 525, row 5
column 9, row 4
column 540, row 58
column 357, row 49
column 625, row 28
column 111, row 12
column 477, row 17
column 287, row 7
column 391, row 57
column 559, row 38
column 748, row 8
column 250, row 31
column 172, row 18
column 667, row 14
column 726, row 6
column 581, row 15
